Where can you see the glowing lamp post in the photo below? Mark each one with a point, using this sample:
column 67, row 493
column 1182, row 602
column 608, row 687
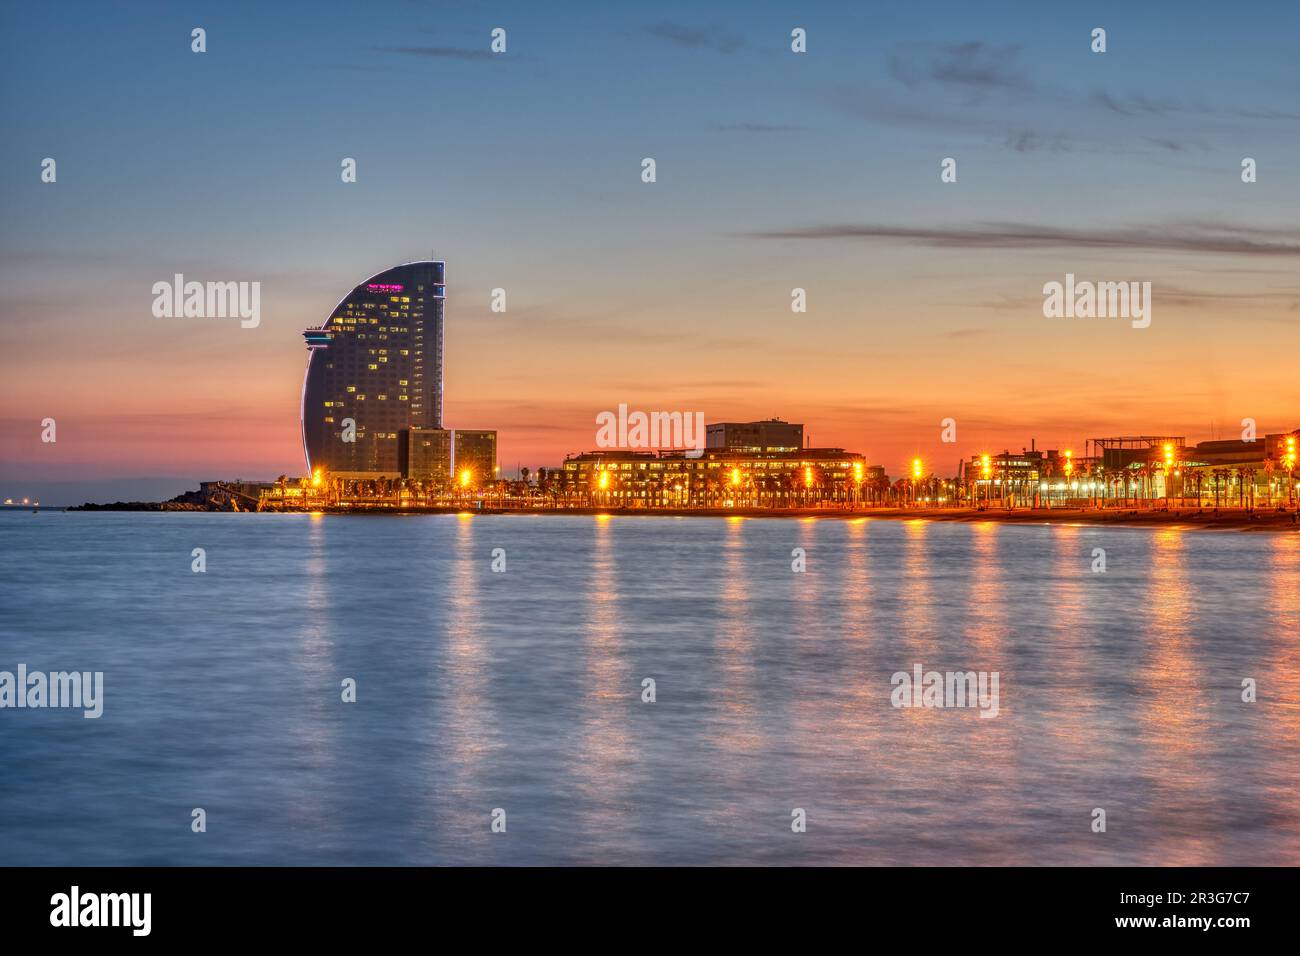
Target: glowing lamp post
column 318, row 481
column 1169, row 469
column 1289, row 459
column 603, row 483
column 857, row 483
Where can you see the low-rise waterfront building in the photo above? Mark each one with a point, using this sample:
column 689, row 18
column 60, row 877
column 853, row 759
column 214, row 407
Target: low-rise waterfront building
column 428, row 454
column 716, row 478
column 1241, row 473
column 474, row 457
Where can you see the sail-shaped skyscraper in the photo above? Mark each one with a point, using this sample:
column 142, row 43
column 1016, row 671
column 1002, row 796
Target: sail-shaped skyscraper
column 374, row 373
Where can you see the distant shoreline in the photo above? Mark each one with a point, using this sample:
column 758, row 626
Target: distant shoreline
column 1227, row 519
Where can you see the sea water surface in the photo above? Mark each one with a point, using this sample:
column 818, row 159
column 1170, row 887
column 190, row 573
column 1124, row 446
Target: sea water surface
column 522, row 691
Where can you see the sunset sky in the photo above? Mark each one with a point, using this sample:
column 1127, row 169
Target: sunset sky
column 775, row 170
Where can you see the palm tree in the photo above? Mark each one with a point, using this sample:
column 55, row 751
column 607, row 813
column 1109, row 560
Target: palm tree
column 1245, row 474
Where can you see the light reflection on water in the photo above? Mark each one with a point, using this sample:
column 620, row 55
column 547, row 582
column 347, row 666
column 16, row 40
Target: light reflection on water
column 467, row 722
column 1173, row 708
column 606, row 764
column 1119, row 690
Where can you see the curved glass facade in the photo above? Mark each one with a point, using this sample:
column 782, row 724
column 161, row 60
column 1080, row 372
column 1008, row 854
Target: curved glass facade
column 374, row 372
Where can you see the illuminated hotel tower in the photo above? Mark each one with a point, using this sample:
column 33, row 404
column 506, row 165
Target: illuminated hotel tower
column 376, row 360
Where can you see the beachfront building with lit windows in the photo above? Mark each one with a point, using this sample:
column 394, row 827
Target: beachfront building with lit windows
column 428, row 455
column 474, row 462
column 374, row 372
column 1030, row 477
column 718, row 478
column 1234, row 473
column 769, row 435
column 1143, row 470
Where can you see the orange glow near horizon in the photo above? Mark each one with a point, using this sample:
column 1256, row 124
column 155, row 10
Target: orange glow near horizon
column 189, row 412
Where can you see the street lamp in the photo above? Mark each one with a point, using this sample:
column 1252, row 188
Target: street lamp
column 603, row 483
column 857, row 483
column 1289, row 459
column 916, row 476
column 1169, row 470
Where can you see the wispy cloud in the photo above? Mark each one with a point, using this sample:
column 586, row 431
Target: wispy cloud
column 444, row 52
column 879, row 107
column 755, row 128
column 1219, row 238
column 1029, row 141
column 972, row 65
column 696, row 38
column 1288, row 297
column 1134, row 104
column 1176, row 145
column 983, row 89
column 1140, row 104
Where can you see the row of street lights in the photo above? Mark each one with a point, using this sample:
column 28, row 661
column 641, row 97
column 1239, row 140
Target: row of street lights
column 737, row 478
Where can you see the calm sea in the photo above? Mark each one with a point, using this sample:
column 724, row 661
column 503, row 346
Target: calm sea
column 522, row 691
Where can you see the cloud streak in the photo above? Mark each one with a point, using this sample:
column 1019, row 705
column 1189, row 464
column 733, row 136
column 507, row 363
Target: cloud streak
column 437, row 52
column 755, row 128
column 972, row 65
column 1186, row 237
column 1139, row 104
column 694, row 38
